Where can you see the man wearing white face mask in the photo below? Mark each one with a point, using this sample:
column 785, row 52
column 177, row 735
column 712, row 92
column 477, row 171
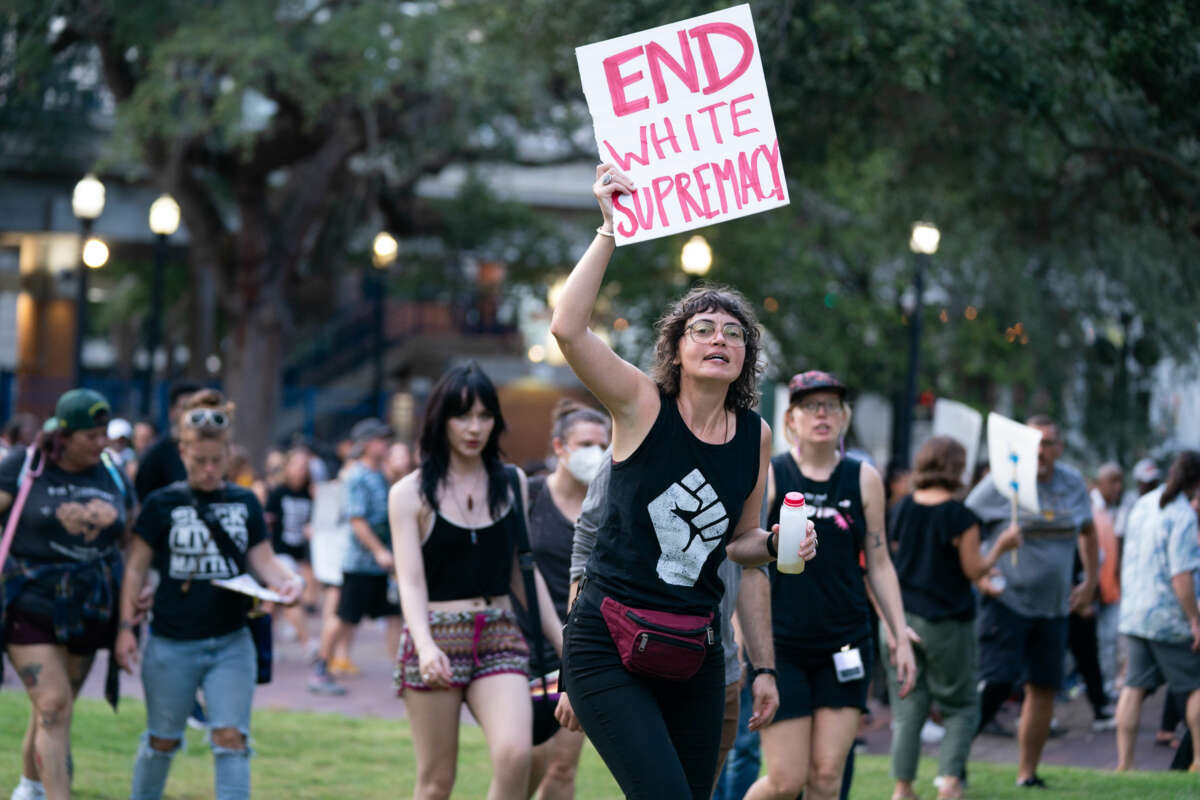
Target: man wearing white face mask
column 580, row 438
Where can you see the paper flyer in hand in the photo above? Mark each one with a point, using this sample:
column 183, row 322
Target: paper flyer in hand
column 247, row 585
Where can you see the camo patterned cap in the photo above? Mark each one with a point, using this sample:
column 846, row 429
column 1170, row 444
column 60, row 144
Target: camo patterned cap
column 815, row 380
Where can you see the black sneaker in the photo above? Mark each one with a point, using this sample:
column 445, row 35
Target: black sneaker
column 1032, row 783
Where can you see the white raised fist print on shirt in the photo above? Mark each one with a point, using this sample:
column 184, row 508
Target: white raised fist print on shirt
column 689, row 520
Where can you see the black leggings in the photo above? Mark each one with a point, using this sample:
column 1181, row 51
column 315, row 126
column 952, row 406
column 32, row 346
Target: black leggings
column 660, row 739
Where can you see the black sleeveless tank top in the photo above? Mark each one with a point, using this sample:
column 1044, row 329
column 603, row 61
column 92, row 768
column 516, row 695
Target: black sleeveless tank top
column 670, row 509
column 461, row 563
column 825, row 606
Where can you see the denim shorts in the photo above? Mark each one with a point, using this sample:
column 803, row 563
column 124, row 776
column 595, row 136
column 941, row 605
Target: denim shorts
column 225, row 667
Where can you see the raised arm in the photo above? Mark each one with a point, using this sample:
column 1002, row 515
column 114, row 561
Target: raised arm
column 627, row 392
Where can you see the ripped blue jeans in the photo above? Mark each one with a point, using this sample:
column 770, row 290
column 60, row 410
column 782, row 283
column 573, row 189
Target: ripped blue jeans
column 172, row 670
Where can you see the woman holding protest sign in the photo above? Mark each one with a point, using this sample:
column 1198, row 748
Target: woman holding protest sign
column 67, row 508
column 457, row 524
column 820, row 617
column 642, row 663
column 194, row 532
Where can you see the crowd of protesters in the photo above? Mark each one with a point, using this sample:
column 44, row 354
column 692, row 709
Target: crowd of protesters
column 687, row 656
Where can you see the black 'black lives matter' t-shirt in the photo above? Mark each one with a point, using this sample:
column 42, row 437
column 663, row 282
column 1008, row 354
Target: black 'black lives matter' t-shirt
column 68, row 517
column 186, row 555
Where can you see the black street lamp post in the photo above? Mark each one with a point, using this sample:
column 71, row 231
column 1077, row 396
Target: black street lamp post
column 924, row 244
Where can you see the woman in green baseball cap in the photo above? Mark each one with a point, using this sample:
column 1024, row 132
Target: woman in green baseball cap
column 59, row 583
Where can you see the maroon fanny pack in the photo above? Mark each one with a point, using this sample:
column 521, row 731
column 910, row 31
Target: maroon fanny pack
column 658, row 644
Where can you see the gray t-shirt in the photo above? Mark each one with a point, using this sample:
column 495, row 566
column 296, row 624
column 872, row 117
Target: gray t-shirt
column 1039, row 584
column 590, row 516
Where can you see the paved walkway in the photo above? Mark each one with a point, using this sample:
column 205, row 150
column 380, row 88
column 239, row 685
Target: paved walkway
column 371, row 694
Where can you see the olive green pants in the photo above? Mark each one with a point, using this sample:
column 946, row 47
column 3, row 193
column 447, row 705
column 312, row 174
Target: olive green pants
column 947, row 661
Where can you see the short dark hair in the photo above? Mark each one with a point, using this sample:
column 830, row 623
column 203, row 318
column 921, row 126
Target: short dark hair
column 743, row 392
column 180, row 389
column 940, row 462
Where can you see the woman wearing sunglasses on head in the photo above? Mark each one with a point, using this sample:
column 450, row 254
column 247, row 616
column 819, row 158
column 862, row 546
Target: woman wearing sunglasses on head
column 456, row 524
column 58, row 590
column 643, row 665
column 194, row 532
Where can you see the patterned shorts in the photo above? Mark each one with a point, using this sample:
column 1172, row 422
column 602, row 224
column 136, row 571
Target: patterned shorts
column 478, row 644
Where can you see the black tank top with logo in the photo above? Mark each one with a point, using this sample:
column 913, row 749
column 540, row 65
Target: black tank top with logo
column 671, row 507
column 824, row 607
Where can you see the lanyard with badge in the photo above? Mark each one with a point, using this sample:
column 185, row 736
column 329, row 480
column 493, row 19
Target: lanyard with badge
column 848, row 664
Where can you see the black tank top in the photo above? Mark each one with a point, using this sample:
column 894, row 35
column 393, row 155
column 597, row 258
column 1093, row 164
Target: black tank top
column 824, row 607
column 670, row 509
column 461, row 563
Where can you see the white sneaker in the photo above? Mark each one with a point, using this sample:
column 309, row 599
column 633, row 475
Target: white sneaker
column 932, row 733
column 28, row 790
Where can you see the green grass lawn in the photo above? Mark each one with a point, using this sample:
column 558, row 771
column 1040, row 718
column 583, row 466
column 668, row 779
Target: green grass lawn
column 303, row 756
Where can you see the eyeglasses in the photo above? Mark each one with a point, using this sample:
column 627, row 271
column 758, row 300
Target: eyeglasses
column 812, row 407
column 206, row 418
column 705, row 332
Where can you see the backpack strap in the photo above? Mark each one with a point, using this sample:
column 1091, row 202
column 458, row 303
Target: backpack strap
column 106, row 459
column 525, row 562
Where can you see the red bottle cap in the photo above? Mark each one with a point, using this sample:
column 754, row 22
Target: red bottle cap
column 794, row 499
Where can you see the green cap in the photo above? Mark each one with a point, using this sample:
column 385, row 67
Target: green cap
column 81, row 408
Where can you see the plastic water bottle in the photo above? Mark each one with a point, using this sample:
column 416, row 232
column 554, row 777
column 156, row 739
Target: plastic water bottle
column 793, row 530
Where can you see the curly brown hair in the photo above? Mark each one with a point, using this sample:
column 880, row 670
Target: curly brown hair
column 743, row 392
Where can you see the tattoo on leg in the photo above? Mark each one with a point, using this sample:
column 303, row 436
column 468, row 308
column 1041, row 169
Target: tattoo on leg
column 50, row 719
column 29, row 675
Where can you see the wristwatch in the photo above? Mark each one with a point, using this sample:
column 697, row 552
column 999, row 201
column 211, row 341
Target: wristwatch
column 754, row 673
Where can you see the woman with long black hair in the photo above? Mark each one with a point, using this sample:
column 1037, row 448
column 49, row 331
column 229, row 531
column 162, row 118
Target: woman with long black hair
column 644, row 669
column 456, row 523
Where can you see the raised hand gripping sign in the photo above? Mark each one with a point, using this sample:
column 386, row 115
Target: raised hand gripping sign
column 683, row 110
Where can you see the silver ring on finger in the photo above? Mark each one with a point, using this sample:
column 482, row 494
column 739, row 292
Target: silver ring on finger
column 607, row 179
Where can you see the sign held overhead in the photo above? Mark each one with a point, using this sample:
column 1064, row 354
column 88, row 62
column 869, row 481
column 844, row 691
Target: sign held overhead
column 682, row 109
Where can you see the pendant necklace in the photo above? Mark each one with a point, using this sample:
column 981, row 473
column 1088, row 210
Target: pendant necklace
column 470, row 507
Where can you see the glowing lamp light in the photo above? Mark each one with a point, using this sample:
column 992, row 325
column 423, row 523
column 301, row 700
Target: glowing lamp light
column 95, row 253
column 87, row 199
column 696, row 256
column 384, row 249
column 925, row 238
column 164, row 215
column 537, row 354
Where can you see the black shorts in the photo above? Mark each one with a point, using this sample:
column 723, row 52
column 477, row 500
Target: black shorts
column 808, row 681
column 1014, row 648
column 24, row 628
column 365, row 594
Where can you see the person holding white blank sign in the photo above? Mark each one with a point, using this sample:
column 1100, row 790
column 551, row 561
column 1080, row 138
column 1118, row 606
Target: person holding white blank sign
column 1023, row 625
column 643, row 663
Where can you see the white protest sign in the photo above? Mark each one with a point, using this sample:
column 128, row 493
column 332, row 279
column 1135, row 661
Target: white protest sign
column 1011, row 443
column 683, row 110
column 963, row 424
column 330, row 532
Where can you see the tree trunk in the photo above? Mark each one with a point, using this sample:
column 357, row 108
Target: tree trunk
column 253, row 375
column 202, row 332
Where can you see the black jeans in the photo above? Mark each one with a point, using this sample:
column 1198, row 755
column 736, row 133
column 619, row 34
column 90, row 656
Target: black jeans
column 1081, row 638
column 660, row 739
